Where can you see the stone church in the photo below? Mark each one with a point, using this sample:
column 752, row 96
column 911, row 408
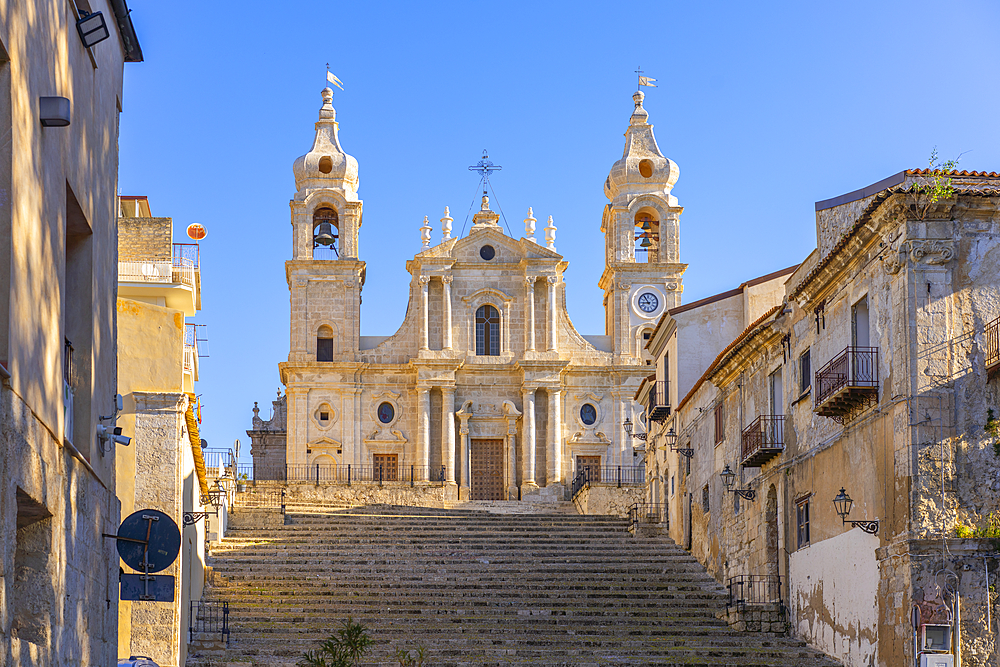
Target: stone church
column 487, row 386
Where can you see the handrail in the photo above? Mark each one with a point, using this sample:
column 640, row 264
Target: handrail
column 653, row 513
column 340, row 474
column 755, row 589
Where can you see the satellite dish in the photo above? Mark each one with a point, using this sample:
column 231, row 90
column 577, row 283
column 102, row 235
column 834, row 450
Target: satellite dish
column 196, row 231
column 149, row 535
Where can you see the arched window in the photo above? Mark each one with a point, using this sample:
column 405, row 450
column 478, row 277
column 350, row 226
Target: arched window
column 487, row 331
column 647, row 236
column 324, row 344
column 326, row 233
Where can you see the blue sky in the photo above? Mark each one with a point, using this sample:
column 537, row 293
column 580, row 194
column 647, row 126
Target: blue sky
column 765, row 107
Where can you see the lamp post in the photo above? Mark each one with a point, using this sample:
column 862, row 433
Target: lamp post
column 843, row 504
column 729, row 478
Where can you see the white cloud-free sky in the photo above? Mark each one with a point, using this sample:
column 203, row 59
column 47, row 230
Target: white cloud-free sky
column 766, row 107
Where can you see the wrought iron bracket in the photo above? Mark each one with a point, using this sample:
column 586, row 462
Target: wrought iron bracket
column 684, row 451
column 869, row 526
column 191, row 518
column 640, row 436
column 748, row 494
column 214, row 498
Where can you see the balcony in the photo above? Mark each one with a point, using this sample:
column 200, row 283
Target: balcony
column 992, row 340
column 762, row 440
column 847, row 382
column 658, row 408
column 176, row 280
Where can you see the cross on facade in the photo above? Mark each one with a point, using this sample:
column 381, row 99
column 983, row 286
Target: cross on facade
column 484, row 167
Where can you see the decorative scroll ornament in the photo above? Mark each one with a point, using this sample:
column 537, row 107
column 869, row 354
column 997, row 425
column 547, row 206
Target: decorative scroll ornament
column 935, row 252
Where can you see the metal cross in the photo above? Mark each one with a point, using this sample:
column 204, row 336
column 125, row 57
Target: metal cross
column 484, row 167
column 638, row 75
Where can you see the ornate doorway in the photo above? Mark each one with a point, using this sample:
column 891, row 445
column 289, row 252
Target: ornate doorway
column 487, row 470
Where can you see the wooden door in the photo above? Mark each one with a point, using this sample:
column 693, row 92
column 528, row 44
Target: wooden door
column 592, row 464
column 387, row 465
column 487, row 470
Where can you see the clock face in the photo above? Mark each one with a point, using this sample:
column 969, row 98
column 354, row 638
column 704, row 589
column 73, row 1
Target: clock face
column 648, row 302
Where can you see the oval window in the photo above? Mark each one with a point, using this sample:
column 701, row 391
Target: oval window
column 646, row 168
column 386, row 413
column 326, row 164
column 487, row 252
column 588, row 414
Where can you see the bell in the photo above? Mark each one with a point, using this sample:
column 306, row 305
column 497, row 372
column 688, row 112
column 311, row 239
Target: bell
column 645, row 242
column 645, row 226
column 324, row 235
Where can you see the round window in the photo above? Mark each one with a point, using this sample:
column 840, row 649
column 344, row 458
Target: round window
column 646, row 168
column 386, row 413
column 487, row 252
column 588, row 414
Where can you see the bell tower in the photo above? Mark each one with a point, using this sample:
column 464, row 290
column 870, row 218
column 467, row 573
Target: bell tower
column 641, row 226
column 325, row 276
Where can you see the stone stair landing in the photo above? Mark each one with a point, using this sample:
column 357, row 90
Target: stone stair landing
column 477, row 588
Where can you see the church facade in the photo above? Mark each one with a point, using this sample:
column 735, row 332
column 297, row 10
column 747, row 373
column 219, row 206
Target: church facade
column 487, row 386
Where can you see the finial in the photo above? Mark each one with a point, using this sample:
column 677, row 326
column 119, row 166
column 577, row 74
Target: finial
column 446, row 224
column 486, row 203
column 550, row 235
column 255, row 409
column 425, row 234
column 529, row 226
column 637, row 97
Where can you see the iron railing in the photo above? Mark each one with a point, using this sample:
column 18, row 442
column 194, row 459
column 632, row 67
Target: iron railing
column 755, row 589
column 211, row 618
column 220, row 458
column 187, row 254
column 580, row 482
column 341, row 474
column 659, row 401
column 607, row 476
column 648, row 513
column 992, row 336
column 854, row 367
column 763, row 439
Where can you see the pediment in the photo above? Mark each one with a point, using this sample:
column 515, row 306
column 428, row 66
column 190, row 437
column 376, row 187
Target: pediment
column 507, row 250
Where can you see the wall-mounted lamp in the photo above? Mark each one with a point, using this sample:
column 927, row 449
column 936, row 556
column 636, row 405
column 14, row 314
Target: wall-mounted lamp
column 671, row 437
column 54, row 111
column 628, row 430
column 729, row 478
column 92, row 28
column 843, row 504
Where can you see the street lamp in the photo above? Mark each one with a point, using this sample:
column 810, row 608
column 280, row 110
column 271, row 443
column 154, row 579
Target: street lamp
column 729, row 478
column 671, row 437
column 843, row 504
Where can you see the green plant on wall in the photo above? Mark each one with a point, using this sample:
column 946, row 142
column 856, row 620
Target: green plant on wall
column 940, row 186
column 406, row 660
column 993, row 428
column 343, row 648
column 989, row 530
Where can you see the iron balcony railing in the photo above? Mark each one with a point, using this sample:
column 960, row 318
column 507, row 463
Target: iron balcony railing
column 211, row 618
column 180, row 269
column 763, row 439
column 755, row 589
column 854, row 368
column 341, row 474
column 992, row 335
column 659, row 401
column 648, row 513
column 217, row 460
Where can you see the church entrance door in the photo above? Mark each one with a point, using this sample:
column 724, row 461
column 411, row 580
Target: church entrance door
column 487, row 470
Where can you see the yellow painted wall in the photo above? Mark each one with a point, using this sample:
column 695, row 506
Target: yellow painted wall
column 150, row 358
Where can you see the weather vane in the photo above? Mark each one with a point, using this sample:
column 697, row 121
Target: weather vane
column 644, row 80
column 484, row 167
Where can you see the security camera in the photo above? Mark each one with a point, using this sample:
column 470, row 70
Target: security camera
column 114, row 435
column 122, row 439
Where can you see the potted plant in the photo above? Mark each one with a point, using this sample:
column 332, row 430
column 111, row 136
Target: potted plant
column 241, row 482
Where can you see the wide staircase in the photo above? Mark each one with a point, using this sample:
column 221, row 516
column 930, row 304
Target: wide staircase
column 476, row 587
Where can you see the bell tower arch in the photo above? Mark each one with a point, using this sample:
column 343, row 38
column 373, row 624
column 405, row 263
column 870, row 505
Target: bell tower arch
column 641, row 226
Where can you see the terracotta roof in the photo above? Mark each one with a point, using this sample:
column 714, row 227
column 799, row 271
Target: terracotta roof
column 954, row 172
column 864, row 218
column 722, row 355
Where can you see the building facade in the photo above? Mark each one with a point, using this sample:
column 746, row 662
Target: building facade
column 159, row 288
column 59, row 106
column 870, row 382
column 487, row 386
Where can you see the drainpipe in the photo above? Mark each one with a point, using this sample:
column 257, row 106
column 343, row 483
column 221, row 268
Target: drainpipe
column 957, row 634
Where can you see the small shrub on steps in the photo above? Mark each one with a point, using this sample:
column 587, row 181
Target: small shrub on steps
column 343, row 648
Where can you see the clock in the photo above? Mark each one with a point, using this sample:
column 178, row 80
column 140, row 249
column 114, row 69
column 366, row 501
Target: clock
column 648, row 302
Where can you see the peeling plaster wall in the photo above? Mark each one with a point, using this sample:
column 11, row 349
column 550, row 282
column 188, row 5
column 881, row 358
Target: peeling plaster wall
column 833, row 596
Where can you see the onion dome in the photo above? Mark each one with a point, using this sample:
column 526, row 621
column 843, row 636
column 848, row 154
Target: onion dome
column 642, row 169
column 327, row 165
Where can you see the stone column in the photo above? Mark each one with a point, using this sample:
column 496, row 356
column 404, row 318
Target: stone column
column 529, row 316
column 448, row 433
column 554, row 454
column 552, row 313
column 446, row 280
column 465, row 462
column 424, row 426
column 528, row 437
column 424, row 326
